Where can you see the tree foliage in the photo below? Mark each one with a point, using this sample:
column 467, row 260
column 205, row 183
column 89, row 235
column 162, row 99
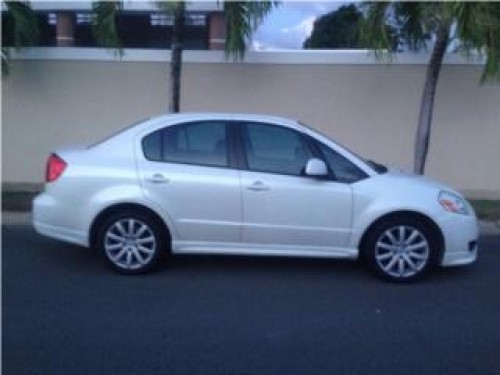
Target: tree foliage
column 20, row 29
column 471, row 26
column 341, row 29
column 104, row 24
column 242, row 19
column 338, row 29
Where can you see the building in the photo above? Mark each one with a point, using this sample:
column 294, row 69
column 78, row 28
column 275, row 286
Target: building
column 139, row 24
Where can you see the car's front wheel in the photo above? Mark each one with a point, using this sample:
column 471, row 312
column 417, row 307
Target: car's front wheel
column 131, row 242
column 401, row 250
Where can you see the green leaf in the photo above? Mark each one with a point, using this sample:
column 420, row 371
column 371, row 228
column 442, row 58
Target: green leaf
column 104, row 24
column 242, row 19
column 373, row 28
column 169, row 6
column 21, row 24
column 476, row 25
column 5, row 61
column 20, row 30
column 338, row 29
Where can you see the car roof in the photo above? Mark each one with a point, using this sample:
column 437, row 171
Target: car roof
column 203, row 116
column 154, row 123
column 215, row 115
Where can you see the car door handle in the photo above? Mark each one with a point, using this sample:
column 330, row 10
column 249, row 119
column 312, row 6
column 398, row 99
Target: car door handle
column 258, row 186
column 158, row 178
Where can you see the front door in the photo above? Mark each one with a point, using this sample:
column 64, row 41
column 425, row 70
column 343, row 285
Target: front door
column 283, row 208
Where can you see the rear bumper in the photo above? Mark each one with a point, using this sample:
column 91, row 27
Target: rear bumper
column 51, row 220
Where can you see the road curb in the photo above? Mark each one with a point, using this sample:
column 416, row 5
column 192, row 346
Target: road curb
column 489, row 228
column 16, row 218
column 486, row 228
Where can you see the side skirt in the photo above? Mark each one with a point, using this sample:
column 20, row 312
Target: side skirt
column 188, row 247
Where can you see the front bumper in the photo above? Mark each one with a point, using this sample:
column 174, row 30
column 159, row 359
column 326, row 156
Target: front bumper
column 460, row 233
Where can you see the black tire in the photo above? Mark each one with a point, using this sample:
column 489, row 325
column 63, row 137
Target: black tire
column 401, row 255
column 132, row 242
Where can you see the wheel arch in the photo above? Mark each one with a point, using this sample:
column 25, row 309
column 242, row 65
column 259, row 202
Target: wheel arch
column 117, row 207
column 401, row 214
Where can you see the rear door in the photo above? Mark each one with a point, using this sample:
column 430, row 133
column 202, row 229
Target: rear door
column 186, row 168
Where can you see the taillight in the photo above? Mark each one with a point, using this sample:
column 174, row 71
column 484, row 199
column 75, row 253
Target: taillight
column 55, row 168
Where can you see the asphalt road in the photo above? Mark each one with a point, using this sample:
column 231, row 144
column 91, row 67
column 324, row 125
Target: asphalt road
column 65, row 313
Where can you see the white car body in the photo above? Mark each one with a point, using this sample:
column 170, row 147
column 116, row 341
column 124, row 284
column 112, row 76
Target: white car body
column 239, row 211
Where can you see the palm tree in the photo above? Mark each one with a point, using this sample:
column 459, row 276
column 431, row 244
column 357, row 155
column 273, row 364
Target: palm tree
column 473, row 26
column 242, row 18
column 20, row 29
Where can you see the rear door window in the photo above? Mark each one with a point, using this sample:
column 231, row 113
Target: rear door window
column 199, row 143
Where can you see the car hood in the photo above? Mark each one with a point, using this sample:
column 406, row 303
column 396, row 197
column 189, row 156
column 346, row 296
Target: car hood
column 400, row 177
column 398, row 190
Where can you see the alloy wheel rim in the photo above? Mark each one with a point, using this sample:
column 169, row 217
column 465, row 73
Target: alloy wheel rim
column 402, row 251
column 129, row 243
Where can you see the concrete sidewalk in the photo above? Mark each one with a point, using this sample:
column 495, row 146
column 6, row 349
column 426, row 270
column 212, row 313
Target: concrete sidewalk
column 24, row 218
column 16, row 218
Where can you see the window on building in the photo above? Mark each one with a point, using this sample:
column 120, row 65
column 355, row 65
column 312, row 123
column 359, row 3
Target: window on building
column 137, row 29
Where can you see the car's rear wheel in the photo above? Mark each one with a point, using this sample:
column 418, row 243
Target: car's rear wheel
column 131, row 242
column 401, row 250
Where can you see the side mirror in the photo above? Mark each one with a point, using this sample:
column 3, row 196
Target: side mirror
column 316, row 168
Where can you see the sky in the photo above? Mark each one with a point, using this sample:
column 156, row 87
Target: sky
column 288, row 25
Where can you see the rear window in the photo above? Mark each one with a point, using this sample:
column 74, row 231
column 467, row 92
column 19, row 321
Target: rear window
column 200, row 143
column 117, row 133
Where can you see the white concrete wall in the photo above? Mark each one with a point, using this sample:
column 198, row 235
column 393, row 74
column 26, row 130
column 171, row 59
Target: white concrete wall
column 53, row 97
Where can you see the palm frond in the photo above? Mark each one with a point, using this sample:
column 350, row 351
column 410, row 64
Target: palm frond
column 22, row 23
column 490, row 28
column 5, row 61
column 478, row 29
column 373, row 28
column 491, row 70
column 104, row 25
column 20, row 29
column 169, row 6
column 242, row 19
column 410, row 21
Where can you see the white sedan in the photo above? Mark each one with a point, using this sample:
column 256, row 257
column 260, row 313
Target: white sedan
column 249, row 185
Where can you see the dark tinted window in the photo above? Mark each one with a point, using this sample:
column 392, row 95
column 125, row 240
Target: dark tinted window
column 275, row 149
column 202, row 143
column 151, row 146
column 344, row 170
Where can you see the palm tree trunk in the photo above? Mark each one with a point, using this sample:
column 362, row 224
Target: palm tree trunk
column 427, row 102
column 176, row 61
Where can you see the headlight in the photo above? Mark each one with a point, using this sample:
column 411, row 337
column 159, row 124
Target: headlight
column 453, row 203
